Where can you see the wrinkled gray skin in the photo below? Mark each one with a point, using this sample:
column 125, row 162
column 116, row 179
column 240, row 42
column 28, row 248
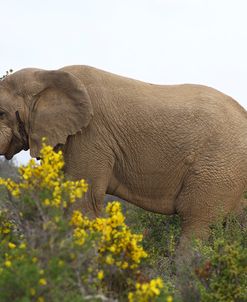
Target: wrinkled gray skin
column 168, row 149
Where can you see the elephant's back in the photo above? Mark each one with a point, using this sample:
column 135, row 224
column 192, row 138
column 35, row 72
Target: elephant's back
column 187, row 105
column 197, row 105
column 181, row 94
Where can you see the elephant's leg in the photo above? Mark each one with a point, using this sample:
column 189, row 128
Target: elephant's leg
column 206, row 197
column 94, row 165
column 208, row 193
column 98, row 178
column 92, row 203
column 95, row 195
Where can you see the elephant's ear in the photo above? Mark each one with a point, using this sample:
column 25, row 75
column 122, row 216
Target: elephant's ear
column 61, row 109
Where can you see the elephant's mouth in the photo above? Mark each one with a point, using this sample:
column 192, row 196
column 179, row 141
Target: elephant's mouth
column 14, row 147
column 10, row 153
column 9, row 156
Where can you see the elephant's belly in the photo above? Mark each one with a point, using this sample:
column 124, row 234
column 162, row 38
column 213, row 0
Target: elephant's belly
column 158, row 197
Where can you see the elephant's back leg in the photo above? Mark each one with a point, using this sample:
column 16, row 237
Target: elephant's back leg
column 210, row 191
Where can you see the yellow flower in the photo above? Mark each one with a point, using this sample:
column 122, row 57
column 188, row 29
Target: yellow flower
column 16, row 192
column 5, row 230
column 42, row 281
column 11, row 245
column 169, row 299
column 130, row 297
column 47, row 202
column 41, row 299
column 109, row 260
column 12, row 187
column 79, row 236
column 49, row 176
column 77, row 219
column 146, row 291
column 100, row 275
column 125, row 265
column 116, row 238
column 112, row 248
column 32, row 291
column 8, row 263
column 22, row 245
column 159, row 282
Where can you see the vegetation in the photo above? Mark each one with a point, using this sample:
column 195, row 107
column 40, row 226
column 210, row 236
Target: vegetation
column 217, row 270
column 49, row 251
column 8, row 169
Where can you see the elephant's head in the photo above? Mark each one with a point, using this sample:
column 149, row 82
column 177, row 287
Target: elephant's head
column 36, row 103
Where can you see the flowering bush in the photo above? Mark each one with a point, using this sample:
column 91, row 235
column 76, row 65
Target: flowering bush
column 146, row 291
column 214, row 271
column 223, row 276
column 50, row 253
column 48, row 180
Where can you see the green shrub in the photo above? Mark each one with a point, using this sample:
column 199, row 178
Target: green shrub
column 160, row 233
column 48, row 252
column 222, row 272
column 216, row 269
column 223, row 277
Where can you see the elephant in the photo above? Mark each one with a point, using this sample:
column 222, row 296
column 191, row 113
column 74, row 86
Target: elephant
column 169, row 149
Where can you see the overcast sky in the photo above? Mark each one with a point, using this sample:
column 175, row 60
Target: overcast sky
column 159, row 41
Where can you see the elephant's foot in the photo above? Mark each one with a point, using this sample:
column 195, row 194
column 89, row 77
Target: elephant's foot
column 185, row 260
column 191, row 232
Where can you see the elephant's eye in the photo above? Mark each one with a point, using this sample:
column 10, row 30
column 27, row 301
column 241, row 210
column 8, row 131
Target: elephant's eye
column 2, row 114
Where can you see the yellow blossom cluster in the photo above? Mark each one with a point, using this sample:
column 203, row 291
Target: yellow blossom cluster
column 81, row 224
column 117, row 245
column 5, row 225
column 11, row 186
column 79, row 236
column 7, row 260
column 49, row 177
column 115, row 248
column 8, row 256
column 42, row 281
column 147, row 292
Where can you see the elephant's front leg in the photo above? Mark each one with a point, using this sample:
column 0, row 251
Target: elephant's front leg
column 93, row 202
column 97, row 178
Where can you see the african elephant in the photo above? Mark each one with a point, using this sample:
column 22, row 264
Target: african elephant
column 166, row 148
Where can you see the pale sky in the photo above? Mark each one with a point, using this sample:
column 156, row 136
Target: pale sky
column 159, row 41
